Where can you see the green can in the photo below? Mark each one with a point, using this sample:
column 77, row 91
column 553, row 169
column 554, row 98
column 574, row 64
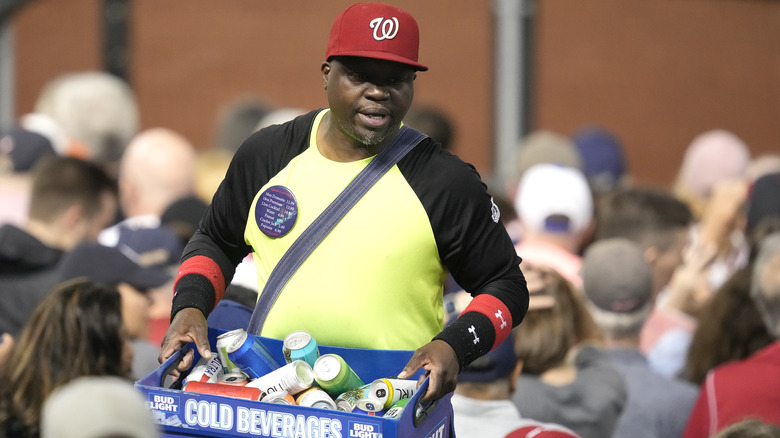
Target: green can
column 334, row 375
column 397, row 409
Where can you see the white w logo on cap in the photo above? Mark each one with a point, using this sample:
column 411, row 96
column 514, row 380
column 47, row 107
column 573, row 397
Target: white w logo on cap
column 388, row 28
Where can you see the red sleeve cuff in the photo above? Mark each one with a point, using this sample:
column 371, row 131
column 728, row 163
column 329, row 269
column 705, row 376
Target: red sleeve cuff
column 496, row 311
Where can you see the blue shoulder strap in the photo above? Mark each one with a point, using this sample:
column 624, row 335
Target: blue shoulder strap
column 405, row 141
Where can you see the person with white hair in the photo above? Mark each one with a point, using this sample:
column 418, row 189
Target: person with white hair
column 97, row 111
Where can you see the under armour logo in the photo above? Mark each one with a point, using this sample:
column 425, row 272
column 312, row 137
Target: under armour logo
column 501, row 317
column 495, row 213
column 384, row 28
column 474, row 332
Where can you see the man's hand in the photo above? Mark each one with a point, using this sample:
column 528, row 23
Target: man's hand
column 189, row 325
column 441, row 364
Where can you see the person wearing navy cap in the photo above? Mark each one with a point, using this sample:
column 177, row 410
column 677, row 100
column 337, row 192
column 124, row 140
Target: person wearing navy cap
column 375, row 281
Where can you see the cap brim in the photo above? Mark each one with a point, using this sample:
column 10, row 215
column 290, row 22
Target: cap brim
column 149, row 278
column 384, row 56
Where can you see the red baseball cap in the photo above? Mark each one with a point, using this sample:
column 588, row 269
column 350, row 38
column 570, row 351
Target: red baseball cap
column 376, row 30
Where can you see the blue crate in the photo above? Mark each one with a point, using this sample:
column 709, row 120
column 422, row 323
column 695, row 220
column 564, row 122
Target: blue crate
column 181, row 413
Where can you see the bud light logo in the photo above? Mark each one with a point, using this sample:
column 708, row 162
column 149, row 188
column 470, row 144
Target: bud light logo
column 364, row 430
column 163, row 402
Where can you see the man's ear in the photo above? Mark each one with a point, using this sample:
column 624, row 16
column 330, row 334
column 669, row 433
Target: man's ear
column 325, row 68
column 651, row 254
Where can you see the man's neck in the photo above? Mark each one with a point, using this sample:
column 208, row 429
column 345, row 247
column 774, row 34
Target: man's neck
column 334, row 145
column 49, row 235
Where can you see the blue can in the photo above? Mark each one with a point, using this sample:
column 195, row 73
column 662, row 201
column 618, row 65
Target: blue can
column 251, row 356
column 300, row 345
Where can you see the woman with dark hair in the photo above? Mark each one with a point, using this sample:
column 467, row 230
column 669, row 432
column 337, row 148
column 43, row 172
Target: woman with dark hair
column 76, row 331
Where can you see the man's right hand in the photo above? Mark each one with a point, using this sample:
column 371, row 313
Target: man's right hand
column 189, row 325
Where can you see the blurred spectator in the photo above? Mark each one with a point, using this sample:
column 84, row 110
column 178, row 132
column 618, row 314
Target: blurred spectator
column 555, row 211
column 35, row 137
column 482, row 404
column 660, row 224
column 434, row 122
column 541, row 147
column 653, row 219
column 729, row 328
column 157, row 169
column 713, row 181
column 115, row 409
column 278, row 117
column 76, row 331
column 21, row 149
column 618, row 285
column 748, row 388
column 236, row 121
column 109, row 265
column 565, row 379
column 71, row 201
column 96, row 110
column 763, row 202
column 603, row 159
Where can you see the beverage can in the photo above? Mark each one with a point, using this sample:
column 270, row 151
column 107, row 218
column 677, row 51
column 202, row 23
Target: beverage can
column 205, row 370
column 369, row 404
column 396, row 409
column 390, row 391
column 279, row 397
column 223, row 341
column 224, row 390
column 315, row 398
column 300, row 345
column 347, row 400
column 334, row 375
column 251, row 356
column 236, row 378
column 291, row 378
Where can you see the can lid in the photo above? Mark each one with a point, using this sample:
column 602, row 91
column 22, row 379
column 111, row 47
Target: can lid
column 344, row 406
column 370, row 405
column 239, row 340
column 323, row 405
column 327, row 367
column 235, row 376
column 304, row 372
column 297, row 340
column 380, row 390
column 231, row 333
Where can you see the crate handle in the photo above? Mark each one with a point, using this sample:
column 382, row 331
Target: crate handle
column 422, row 410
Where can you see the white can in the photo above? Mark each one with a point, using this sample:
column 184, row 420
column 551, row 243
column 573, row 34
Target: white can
column 292, row 378
column 316, row 398
column 206, row 370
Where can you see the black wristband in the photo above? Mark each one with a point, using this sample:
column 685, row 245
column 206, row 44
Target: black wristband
column 193, row 290
column 471, row 336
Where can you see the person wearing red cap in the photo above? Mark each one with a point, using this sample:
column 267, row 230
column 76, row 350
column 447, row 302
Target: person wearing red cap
column 375, row 281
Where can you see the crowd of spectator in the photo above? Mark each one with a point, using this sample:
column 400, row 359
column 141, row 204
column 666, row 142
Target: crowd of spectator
column 653, row 312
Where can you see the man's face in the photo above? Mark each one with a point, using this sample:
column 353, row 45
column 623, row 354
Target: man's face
column 368, row 98
column 666, row 261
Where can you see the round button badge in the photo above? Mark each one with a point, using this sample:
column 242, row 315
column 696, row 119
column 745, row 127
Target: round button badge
column 276, row 211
